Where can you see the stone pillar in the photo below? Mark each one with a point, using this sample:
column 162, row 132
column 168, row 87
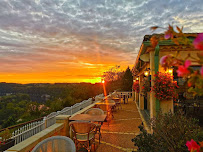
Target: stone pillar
column 65, row 120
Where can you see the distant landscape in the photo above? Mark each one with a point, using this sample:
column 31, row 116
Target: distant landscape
column 24, row 102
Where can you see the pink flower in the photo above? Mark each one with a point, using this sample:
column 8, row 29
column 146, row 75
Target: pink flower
column 187, row 63
column 163, row 59
column 198, row 42
column 167, row 35
column 192, row 145
column 201, row 71
column 182, row 70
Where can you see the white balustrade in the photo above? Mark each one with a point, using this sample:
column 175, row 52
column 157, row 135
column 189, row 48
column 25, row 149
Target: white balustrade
column 66, row 111
column 21, row 133
column 33, row 128
column 51, row 119
column 75, row 108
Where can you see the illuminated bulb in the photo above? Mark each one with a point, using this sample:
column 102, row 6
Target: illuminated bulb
column 146, row 73
column 137, row 78
column 170, row 71
column 103, row 81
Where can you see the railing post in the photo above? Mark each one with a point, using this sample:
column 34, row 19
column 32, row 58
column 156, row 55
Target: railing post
column 45, row 122
column 65, row 120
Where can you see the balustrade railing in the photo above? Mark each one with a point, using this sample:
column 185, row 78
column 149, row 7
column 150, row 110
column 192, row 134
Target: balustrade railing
column 27, row 131
column 33, row 127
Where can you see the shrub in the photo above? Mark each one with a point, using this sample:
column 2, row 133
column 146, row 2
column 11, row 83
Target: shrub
column 5, row 135
column 170, row 133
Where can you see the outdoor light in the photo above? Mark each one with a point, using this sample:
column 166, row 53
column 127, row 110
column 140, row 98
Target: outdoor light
column 103, row 81
column 146, row 72
column 170, row 70
column 137, row 78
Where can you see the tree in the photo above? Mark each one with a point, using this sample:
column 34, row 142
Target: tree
column 112, row 79
column 113, row 74
column 127, row 80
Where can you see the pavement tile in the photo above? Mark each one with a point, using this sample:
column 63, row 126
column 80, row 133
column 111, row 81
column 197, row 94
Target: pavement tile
column 118, row 134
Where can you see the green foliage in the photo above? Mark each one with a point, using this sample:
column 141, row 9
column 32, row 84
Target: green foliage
column 5, row 135
column 11, row 108
column 146, row 142
column 197, row 87
column 170, row 133
column 127, row 80
column 26, row 107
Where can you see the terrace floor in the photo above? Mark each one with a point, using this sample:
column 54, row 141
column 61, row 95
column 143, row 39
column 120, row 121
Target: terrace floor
column 123, row 127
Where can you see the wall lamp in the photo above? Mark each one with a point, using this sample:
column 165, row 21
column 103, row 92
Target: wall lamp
column 136, row 79
column 170, row 70
column 147, row 72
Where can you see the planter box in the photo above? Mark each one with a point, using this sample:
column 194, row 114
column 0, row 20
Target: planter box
column 7, row 145
column 166, row 106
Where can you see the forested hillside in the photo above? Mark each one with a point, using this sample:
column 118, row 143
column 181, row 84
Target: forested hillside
column 23, row 102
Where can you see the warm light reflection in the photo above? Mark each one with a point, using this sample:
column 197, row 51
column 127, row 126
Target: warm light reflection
column 104, row 88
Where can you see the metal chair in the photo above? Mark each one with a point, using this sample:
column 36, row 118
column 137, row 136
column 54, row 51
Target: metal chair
column 83, row 134
column 108, row 110
column 96, row 111
column 55, row 144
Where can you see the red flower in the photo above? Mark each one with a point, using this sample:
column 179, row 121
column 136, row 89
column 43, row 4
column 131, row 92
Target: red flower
column 198, row 42
column 189, row 84
column 182, row 70
column 192, row 145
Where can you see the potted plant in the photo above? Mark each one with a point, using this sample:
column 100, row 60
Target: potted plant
column 146, row 87
column 136, row 87
column 5, row 140
column 164, row 87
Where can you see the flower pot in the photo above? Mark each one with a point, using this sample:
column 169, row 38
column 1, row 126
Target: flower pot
column 166, row 106
column 9, row 143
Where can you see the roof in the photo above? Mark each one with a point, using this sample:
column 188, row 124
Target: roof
column 146, row 43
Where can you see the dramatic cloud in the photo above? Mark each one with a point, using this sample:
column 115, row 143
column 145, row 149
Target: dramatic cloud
column 81, row 38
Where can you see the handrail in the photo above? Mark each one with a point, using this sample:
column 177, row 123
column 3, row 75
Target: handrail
column 22, row 124
column 30, row 128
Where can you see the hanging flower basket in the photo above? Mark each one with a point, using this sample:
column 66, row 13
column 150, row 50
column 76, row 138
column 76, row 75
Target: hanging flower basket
column 136, row 87
column 146, row 87
column 164, row 87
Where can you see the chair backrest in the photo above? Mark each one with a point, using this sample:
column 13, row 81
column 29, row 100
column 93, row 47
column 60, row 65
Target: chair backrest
column 94, row 111
column 82, row 127
column 110, row 101
column 55, row 144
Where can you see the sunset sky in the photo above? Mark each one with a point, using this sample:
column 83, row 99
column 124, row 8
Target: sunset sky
column 77, row 40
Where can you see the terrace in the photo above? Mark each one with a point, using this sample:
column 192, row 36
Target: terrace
column 116, row 136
